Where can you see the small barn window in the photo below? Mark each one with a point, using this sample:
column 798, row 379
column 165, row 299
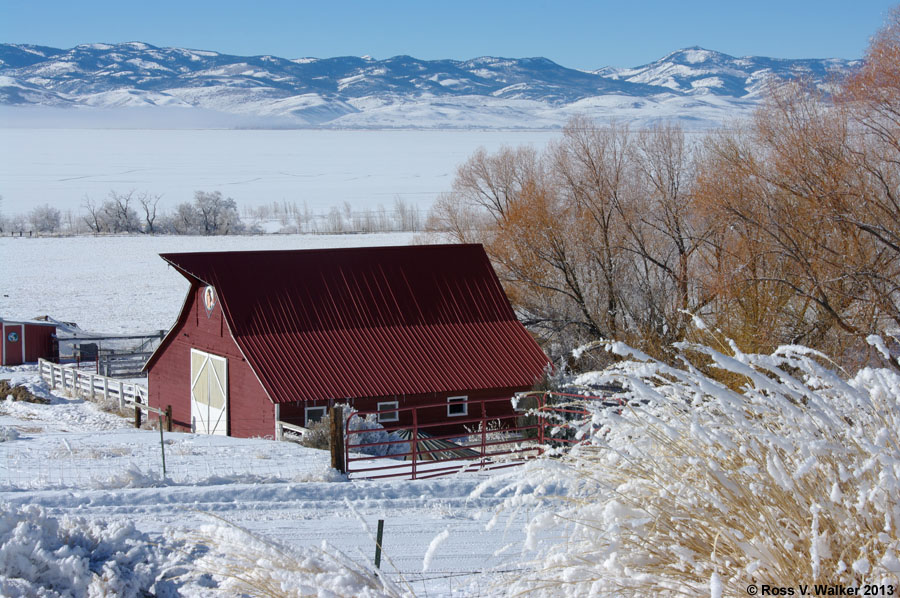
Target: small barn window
column 390, row 412
column 457, row 406
column 314, row 414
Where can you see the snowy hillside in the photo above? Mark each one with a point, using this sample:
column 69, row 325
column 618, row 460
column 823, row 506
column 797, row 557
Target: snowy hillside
column 696, row 71
column 402, row 91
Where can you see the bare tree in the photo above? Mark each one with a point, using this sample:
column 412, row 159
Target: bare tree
column 119, row 214
column 149, row 205
column 94, row 217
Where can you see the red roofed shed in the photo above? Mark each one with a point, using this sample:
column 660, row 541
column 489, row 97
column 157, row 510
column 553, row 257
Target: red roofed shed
column 26, row 341
column 293, row 332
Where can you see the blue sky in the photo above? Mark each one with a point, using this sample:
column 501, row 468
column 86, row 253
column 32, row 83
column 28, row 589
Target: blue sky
column 577, row 34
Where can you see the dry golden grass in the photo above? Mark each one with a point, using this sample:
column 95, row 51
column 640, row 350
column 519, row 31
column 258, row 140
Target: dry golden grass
column 701, row 490
column 249, row 565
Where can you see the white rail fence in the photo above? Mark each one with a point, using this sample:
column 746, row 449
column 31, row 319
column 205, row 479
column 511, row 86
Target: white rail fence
column 89, row 385
column 281, row 426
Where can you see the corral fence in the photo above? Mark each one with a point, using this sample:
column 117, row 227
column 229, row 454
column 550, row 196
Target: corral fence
column 112, row 355
column 86, row 384
column 422, row 450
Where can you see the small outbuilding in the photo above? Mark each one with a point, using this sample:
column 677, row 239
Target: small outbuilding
column 282, row 335
column 26, row 341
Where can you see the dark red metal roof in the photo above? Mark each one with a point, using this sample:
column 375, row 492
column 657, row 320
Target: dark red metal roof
column 367, row 322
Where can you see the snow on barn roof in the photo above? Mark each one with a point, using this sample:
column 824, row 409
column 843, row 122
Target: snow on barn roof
column 369, row 322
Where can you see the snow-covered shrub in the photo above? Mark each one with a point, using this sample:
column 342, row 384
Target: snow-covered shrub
column 375, row 433
column 697, row 488
column 8, row 433
column 371, row 432
column 317, row 435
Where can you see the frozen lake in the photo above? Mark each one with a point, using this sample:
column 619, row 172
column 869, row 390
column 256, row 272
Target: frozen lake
column 61, row 167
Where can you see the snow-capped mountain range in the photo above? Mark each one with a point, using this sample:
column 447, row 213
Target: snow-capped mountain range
column 700, row 87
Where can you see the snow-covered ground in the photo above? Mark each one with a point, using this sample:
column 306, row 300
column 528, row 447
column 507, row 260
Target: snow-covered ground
column 63, row 166
column 119, row 283
column 71, row 460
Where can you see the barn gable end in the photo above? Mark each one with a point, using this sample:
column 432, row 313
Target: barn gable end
column 251, row 413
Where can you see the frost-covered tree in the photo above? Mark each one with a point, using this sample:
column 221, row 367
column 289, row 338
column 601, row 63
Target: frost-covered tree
column 208, row 214
column 217, row 215
column 45, row 219
column 119, row 212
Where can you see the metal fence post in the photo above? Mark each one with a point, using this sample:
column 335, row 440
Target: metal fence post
column 540, row 418
column 415, row 441
column 378, row 538
column 483, row 433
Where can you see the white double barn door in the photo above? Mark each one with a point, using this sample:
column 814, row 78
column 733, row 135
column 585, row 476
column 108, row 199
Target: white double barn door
column 209, row 393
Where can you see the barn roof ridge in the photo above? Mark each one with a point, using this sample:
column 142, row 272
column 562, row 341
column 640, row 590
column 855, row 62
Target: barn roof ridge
column 324, row 250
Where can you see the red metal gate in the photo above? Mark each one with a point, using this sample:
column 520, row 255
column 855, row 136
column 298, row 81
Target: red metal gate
column 478, row 441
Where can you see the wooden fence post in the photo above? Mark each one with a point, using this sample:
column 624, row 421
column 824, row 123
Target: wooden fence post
column 168, row 418
column 137, row 412
column 337, row 439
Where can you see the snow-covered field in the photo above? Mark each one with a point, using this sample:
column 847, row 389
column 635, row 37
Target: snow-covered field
column 322, row 168
column 69, row 459
column 119, row 283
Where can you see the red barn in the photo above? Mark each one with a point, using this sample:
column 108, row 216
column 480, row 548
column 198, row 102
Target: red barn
column 266, row 335
column 26, row 341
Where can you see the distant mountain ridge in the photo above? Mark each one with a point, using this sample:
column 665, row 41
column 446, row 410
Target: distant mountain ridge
column 700, row 87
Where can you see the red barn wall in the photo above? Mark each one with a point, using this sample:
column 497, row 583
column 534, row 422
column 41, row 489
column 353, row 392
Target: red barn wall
column 432, row 420
column 250, row 412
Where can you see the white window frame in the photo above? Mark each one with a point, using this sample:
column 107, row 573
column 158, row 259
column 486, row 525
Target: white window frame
column 306, row 411
column 392, row 414
column 455, row 402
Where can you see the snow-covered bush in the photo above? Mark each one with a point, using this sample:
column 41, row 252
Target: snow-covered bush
column 374, row 433
column 8, row 433
column 698, row 488
column 370, row 432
